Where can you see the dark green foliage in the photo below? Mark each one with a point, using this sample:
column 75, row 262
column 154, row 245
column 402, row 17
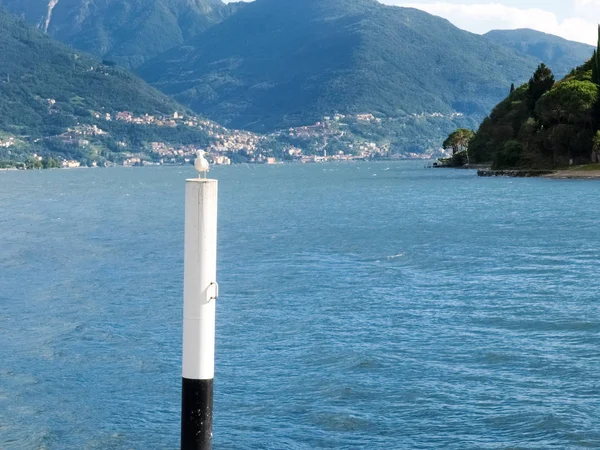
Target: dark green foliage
column 512, row 88
column 596, row 62
column 540, row 83
column 509, row 156
column 50, row 163
column 557, row 129
column 503, row 124
column 33, row 163
column 459, row 159
column 127, row 32
column 281, row 63
column 459, row 141
column 557, row 53
column 570, row 102
column 596, row 148
column 566, row 142
column 595, row 68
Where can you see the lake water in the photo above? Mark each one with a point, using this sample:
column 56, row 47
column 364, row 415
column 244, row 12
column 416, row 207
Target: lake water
column 363, row 306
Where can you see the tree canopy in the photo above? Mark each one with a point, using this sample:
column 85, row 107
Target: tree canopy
column 543, row 124
column 540, row 83
column 459, row 140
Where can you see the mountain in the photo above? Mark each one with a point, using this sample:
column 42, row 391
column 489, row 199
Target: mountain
column 124, row 31
column 54, row 99
column 281, row 63
column 557, row 53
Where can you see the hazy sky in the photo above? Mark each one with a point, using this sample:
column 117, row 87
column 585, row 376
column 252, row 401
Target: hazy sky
column 576, row 20
column 572, row 19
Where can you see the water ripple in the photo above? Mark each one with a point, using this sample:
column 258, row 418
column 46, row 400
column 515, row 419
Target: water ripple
column 416, row 309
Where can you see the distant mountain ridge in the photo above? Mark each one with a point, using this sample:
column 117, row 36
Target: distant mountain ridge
column 125, row 31
column 557, row 53
column 279, row 63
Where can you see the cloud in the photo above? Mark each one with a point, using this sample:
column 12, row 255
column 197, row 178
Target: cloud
column 584, row 3
column 483, row 17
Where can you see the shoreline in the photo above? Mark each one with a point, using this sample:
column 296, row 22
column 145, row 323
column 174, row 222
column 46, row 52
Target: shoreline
column 568, row 174
column 278, row 163
column 574, row 175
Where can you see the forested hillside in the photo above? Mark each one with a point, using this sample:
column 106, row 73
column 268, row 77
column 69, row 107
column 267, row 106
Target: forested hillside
column 124, row 31
column 281, row 63
column 47, row 89
column 557, row 53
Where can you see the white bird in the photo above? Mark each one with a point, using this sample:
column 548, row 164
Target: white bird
column 201, row 164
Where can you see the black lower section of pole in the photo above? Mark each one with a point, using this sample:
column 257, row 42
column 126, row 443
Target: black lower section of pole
column 196, row 414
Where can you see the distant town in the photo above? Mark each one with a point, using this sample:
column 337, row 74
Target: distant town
column 331, row 139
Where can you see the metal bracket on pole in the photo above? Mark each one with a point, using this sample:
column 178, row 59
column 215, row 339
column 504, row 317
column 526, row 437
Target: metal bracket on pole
column 216, row 296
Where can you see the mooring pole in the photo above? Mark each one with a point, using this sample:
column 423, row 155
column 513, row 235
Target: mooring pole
column 200, row 293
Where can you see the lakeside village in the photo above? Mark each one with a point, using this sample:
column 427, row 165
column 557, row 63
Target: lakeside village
column 324, row 141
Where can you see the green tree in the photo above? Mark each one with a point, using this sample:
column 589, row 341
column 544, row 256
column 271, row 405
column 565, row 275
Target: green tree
column 33, row 163
column 509, row 157
column 596, row 61
column 459, row 141
column 596, row 148
column 50, row 163
column 570, row 102
column 512, row 88
column 540, row 83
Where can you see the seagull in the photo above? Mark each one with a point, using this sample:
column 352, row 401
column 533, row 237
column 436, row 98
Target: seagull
column 201, row 164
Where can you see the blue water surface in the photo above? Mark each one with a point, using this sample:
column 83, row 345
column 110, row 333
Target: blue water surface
column 363, row 306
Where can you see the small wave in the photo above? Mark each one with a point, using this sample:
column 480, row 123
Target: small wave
column 396, row 256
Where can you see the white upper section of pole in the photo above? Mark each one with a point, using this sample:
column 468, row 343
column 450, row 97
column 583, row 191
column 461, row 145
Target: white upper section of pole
column 200, row 273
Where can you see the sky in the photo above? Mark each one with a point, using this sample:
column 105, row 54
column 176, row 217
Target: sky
column 576, row 20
